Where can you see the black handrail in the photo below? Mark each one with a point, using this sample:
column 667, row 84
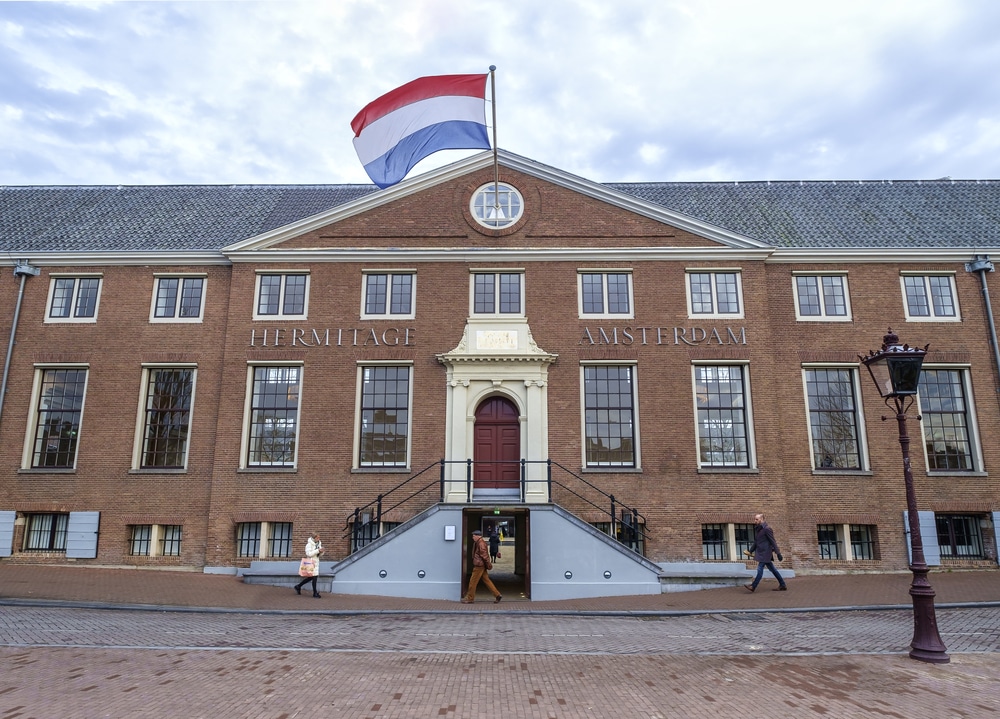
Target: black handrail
column 629, row 530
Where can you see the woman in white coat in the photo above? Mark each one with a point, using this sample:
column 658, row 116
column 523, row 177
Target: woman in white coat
column 314, row 548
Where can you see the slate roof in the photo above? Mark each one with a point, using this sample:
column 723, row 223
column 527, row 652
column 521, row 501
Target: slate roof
column 816, row 214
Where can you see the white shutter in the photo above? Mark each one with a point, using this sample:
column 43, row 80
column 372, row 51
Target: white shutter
column 7, row 533
column 81, row 534
column 928, row 535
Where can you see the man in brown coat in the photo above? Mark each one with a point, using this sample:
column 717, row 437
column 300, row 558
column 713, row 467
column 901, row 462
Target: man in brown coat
column 480, row 565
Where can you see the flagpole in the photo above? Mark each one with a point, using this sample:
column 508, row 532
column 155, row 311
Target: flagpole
column 496, row 161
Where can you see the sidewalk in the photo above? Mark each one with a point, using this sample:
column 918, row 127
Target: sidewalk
column 184, row 590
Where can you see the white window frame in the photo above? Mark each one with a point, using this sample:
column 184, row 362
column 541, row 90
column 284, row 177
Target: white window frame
column 140, row 420
column 858, row 409
column 636, row 466
column 156, row 538
column 733, row 553
column 388, row 314
column 53, row 278
column 496, row 291
column 603, row 274
column 248, row 419
column 932, row 317
column 510, row 201
column 182, row 278
column 27, row 455
column 822, row 316
column 845, row 543
column 356, row 462
column 751, row 464
column 714, row 272
column 281, row 315
column 972, row 420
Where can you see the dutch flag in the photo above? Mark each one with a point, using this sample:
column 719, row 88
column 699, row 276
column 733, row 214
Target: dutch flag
column 401, row 128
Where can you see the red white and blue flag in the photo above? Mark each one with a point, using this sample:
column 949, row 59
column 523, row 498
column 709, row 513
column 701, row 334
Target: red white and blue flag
column 401, row 128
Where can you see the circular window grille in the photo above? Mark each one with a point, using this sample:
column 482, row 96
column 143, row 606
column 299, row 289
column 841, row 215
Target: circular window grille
column 496, row 205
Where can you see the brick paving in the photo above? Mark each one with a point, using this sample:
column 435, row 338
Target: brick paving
column 264, row 652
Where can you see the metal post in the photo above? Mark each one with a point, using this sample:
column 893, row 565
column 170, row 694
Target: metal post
column 524, row 477
column 926, row 645
column 468, row 480
column 442, row 480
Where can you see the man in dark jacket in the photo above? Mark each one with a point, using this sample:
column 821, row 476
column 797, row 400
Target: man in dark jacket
column 763, row 549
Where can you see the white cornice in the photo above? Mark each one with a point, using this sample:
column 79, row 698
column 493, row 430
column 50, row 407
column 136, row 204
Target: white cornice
column 90, row 259
column 481, row 161
column 856, row 255
column 464, row 254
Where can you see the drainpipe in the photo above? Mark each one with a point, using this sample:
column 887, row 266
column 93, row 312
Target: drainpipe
column 22, row 269
column 982, row 265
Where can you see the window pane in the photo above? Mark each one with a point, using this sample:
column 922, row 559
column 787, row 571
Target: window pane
column 86, row 299
column 959, row 536
column 248, row 539
column 191, row 292
column 944, row 304
column 170, row 540
column 829, row 546
column 280, row 541
column 270, row 294
column 139, row 542
column 62, row 297
column 722, row 420
column 377, row 289
column 833, row 296
column 945, row 420
column 833, row 419
column 168, row 411
column 701, row 294
column 295, row 295
column 60, row 406
column 728, row 293
column 402, row 293
column 274, row 416
column 618, row 302
column 862, row 542
column 385, row 416
column 484, row 300
column 592, row 286
column 166, row 296
column 916, row 297
column 808, row 296
column 713, row 541
column 608, row 417
column 46, row 532
column 510, row 294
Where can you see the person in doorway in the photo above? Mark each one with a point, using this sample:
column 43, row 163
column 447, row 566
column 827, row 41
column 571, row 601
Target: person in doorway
column 494, row 545
column 481, row 564
column 763, row 550
column 314, row 549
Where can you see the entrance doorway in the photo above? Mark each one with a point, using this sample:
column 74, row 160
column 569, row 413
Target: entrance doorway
column 497, row 449
column 510, row 573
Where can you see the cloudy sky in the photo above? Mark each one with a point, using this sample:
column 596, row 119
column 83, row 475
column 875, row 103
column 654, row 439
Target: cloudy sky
column 630, row 90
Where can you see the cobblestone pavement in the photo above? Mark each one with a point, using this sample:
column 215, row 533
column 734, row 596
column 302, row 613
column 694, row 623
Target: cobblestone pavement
column 112, row 663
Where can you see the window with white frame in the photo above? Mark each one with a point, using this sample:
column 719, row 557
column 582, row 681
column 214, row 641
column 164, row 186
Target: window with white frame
column 605, row 294
column 723, row 416
column 929, row 297
column 726, row 541
column 155, row 540
column 497, row 293
column 284, row 294
column 946, row 420
column 714, row 293
column 834, row 420
column 45, row 532
column 821, row 296
column 610, row 416
column 58, row 414
column 496, row 205
column 388, row 294
column 850, row 542
column 263, row 540
column 178, row 299
column 273, row 422
column 166, row 417
column 384, row 416
column 73, row 299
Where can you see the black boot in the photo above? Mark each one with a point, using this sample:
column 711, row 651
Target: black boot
column 298, row 589
column 316, row 594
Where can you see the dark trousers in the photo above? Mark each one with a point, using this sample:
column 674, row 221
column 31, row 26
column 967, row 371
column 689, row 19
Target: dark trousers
column 760, row 573
column 306, row 581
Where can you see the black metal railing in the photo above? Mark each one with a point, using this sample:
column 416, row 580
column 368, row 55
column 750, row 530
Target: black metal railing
column 624, row 523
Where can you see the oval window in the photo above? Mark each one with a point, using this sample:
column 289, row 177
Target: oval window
column 496, row 205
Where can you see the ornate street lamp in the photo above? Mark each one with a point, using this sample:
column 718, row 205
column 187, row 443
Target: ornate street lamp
column 895, row 370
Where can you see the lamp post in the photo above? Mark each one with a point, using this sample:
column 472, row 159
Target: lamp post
column 895, row 369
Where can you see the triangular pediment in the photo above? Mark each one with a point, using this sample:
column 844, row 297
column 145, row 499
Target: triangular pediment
column 428, row 217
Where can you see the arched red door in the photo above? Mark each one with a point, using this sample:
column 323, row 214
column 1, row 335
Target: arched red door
column 497, row 458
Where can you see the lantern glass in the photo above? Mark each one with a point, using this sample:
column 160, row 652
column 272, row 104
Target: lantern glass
column 896, row 376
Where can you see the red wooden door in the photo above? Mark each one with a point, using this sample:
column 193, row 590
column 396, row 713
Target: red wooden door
column 497, row 459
